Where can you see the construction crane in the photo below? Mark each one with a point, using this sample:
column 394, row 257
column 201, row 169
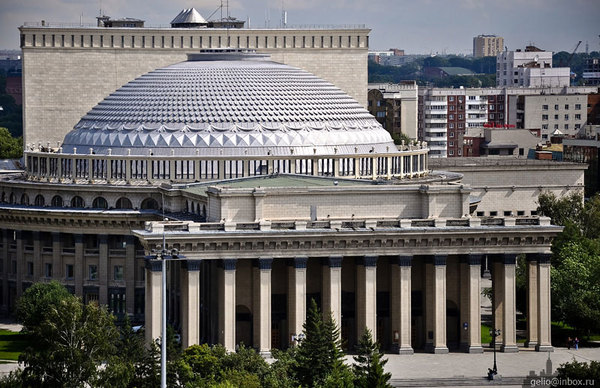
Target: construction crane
column 570, row 56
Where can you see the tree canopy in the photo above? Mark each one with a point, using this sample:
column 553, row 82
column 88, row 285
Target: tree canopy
column 10, row 147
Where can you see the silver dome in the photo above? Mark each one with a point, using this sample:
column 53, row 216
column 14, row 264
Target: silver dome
column 228, row 104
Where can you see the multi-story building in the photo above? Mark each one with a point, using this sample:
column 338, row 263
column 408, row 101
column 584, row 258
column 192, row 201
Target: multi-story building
column 530, row 68
column 101, row 59
column 487, row 45
column 555, row 114
column 591, row 74
column 395, row 107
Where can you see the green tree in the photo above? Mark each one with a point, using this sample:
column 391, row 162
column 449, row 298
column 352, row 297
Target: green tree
column 319, row 354
column 581, row 371
column 73, row 341
column 575, row 286
column 369, row 363
column 36, row 302
column 10, row 147
column 564, row 210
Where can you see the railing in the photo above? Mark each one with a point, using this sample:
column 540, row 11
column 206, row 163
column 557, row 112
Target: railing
column 102, row 169
column 157, row 227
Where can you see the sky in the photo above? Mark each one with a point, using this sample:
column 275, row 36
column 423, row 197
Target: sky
column 417, row 26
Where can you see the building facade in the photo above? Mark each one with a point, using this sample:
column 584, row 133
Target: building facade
column 395, row 107
column 487, row 45
column 530, row 68
column 298, row 194
column 59, row 92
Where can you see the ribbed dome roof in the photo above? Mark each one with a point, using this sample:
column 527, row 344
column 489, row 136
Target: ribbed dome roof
column 228, row 104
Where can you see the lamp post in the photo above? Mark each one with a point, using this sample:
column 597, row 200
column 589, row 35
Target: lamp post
column 492, row 372
column 163, row 256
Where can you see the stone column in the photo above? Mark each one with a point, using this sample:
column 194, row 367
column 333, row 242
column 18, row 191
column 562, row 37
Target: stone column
column 20, row 258
column 509, row 310
column 56, row 256
column 78, row 264
column 497, row 294
column 436, row 305
column 470, row 303
column 103, row 269
column 262, row 306
column 152, row 310
column 401, row 269
column 5, row 267
column 366, row 296
column 129, row 274
column 227, row 304
column 543, row 313
column 532, row 301
column 37, row 256
column 332, row 289
column 296, row 295
column 190, row 303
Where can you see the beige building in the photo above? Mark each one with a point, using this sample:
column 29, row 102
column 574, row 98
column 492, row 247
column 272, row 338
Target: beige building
column 298, row 194
column 487, row 45
column 68, row 70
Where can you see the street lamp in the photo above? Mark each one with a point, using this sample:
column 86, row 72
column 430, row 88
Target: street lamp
column 492, row 372
column 163, row 256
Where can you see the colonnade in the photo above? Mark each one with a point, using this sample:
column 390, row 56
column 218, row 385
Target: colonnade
column 434, row 289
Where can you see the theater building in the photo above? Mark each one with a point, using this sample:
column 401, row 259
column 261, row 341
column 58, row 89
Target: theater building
column 276, row 187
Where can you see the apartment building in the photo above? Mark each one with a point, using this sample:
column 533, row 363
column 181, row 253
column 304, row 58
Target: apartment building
column 395, row 107
column 529, row 68
column 487, row 45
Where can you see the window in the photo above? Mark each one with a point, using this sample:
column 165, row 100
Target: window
column 451, row 125
column 566, row 126
column 48, row 270
column 451, row 117
column 545, row 107
column 577, row 117
column 501, row 115
column 69, row 271
column 460, row 117
column 451, row 98
column 459, row 152
column 93, row 272
column 555, row 117
column 461, row 125
column 118, row 274
column 491, row 107
column 30, row 268
column 480, row 214
column 380, row 114
column 507, row 213
column 534, row 212
column 451, row 134
column 556, row 107
column 544, row 117
column 577, row 126
column 566, row 117
column 566, row 106
column 555, row 126
column 451, row 144
column 520, row 212
column 500, row 107
column 452, row 107
column 577, row 106
column 460, row 99
column 544, row 126
column 491, row 116
column 493, row 213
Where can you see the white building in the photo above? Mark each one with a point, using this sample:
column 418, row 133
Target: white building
column 529, row 68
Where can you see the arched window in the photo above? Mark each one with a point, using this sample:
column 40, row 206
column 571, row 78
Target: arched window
column 203, row 211
column 100, row 203
column 13, row 198
column 124, row 203
column 24, row 199
column 3, row 198
column 39, row 200
column 77, row 202
column 150, row 204
column 57, row 201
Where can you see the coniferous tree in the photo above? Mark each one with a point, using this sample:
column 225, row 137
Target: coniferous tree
column 369, row 363
column 319, row 353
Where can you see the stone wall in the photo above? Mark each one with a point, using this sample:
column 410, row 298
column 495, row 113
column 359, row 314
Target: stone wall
column 67, row 71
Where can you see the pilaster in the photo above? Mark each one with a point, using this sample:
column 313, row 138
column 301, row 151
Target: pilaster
column 227, row 304
column 470, row 300
column 509, row 313
column 129, row 274
column 366, row 296
column 436, row 304
column 262, row 305
column 103, row 269
column 532, row 301
column 296, row 295
column 401, row 304
column 153, row 316
column 543, row 313
column 332, row 289
column 190, row 303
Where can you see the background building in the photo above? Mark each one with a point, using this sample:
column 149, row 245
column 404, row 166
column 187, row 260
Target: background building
column 395, row 107
column 591, row 74
column 530, row 68
column 487, row 45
